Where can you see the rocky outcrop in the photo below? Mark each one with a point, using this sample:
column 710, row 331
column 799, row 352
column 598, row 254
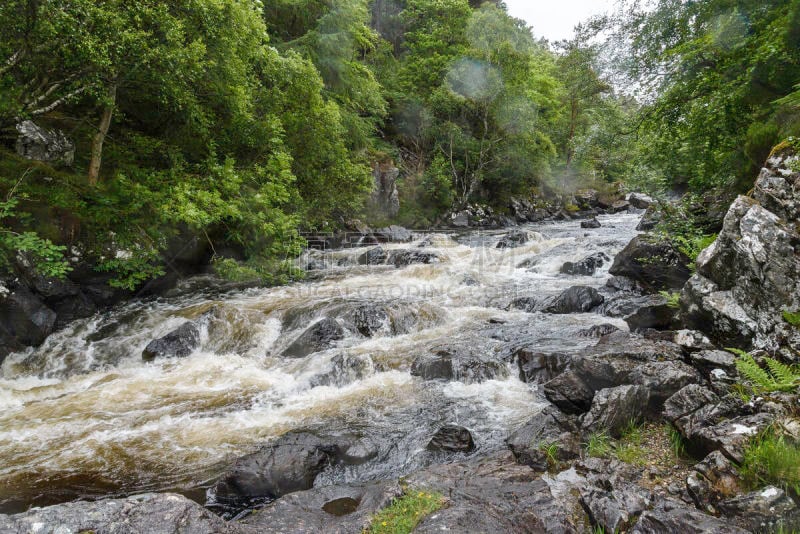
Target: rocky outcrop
column 652, row 262
column 749, row 276
column 458, row 363
column 514, row 239
column 151, row 513
column 531, row 443
column 577, row 299
column 39, row 144
column 615, row 408
column 640, row 201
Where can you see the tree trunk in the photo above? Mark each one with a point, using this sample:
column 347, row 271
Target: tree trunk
column 100, row 136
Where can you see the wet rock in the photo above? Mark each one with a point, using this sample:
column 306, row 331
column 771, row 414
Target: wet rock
column 459, row 364
column 640, row 201
column 673, row 516
column 529, row 443
column 290, row 463
column 577, row 299
column 331, row 509
column 538, row 367
column 369, row 319
column 687, row 401
column 178, row 343
column 656, row 264
column 612, row 504
column 619, row 206
column 622, row 283
column 652, row 312
column 25, row 319
column 713, row 480
column 38, row 144
column 662, row 380
column 452, row 438
column 491, row 494
column 591, row 223
column 393, row 234
column 614, row 408
column 460, row 219
column 514, row 239
column 587, row 198
column 764, row 510
column 345, row 369
column 404, row 258
column 599, row 330
column 318, row 337
column 526, row 304
column 587, row 266
column 374, row 256
column 152, row 513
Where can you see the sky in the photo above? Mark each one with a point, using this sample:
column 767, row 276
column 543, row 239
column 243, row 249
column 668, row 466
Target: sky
column 555, row 19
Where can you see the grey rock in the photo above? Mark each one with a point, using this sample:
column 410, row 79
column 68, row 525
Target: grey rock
column 599, row 330
column 707, row 361
column 369, row 319
column 587, row 266
column 591, row 223
column 614, row 408
column 527, row 304
column 514, row 239
column 458, row 363
column 670, row 516
column 331, row 509
column 452, row 438
column 640, row 201
column 319, row 336
column 652, row 312
column 650, row 219
column 25, row 318
column 393, row 234
column 577, row 299
column 178, row 343
column 764, row 510
column 345, row 369
column 385, row 198
column 404, row 258
column 39, row 144
column 374, row 256
column 538, row 367
column 151, row 513
column 549, row 427
column 712, row 480
column 654, row 263
column 619, row 206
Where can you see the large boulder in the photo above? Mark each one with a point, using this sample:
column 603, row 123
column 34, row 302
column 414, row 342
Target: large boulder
column 640, row 201
column 374, row 256
column 152, row 513
column 591, row 224
column 769, row 509
column 615, row 408
column 393, row 234
column 655, row 263
column 178, row 343
column 404, row 258
column 318, row 337
column 539, row 367
column 713, row 480
column 39, row 144
column 674, row 516
column 369, row 319
column 452, row 438
column 577, row 299
column 749, row 276
column 24, row 319
column 514, row 239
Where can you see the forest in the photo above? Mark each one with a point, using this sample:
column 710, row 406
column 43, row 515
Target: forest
column 248, row 122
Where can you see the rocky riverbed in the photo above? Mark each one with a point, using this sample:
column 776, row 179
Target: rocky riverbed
column 534, row 376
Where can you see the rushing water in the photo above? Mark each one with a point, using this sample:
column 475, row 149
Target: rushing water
column 84, row 415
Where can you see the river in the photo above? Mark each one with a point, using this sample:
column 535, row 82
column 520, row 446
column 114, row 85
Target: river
column 84, row 416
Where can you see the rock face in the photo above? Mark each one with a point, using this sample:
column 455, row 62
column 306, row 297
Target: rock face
column 452, row 438
column 749, row 276
column 673, row 516
column 614, row 408
column 550, row 427
column 640, row 201
column 38, row 144
column 320, row 336
column 656, row 264
column 538, row 367
column 514, row 239
column 385, row 198
column 587, row 266
column 179, row 343
column 24, row 319
column 152, row 513
column 458, row 363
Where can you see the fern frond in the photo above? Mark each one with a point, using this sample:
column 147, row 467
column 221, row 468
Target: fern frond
column 751, row 371
column 786, row 377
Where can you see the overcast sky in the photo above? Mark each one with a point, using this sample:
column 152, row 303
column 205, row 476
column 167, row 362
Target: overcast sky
column 554, row 19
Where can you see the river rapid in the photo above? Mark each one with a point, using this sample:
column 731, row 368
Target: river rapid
column 84, row 416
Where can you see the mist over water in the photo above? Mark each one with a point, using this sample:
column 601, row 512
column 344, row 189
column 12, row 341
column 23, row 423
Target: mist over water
column 84, row 415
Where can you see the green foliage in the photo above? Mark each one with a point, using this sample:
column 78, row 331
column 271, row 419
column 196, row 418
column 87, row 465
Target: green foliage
column 673, row 298
column 599, row 445
column 777, row 377
column 771, row 459
column 677, row 443
column 403, row 515
column 551, row 453
column 793, row 318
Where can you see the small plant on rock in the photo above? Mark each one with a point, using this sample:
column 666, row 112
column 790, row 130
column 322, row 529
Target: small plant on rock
column 772, row 459
column 405, row 513
column 599, row 445
column 776, row 377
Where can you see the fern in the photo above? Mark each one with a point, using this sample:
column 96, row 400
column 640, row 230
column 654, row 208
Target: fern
column 780, row 377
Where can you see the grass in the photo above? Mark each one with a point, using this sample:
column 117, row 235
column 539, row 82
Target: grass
column 771, row 459
column 638, row 444
column 676, row 441
column 551, row 452
column 599, row 445
column 673, row 298
column 793, row 318
column 405, row 513
column 629, row 448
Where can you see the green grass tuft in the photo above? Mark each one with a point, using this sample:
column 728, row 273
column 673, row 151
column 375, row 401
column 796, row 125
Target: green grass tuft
column 676, row 441
column 771, row 459
column 599, row 445
column 793, row 318
column 405, row 513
